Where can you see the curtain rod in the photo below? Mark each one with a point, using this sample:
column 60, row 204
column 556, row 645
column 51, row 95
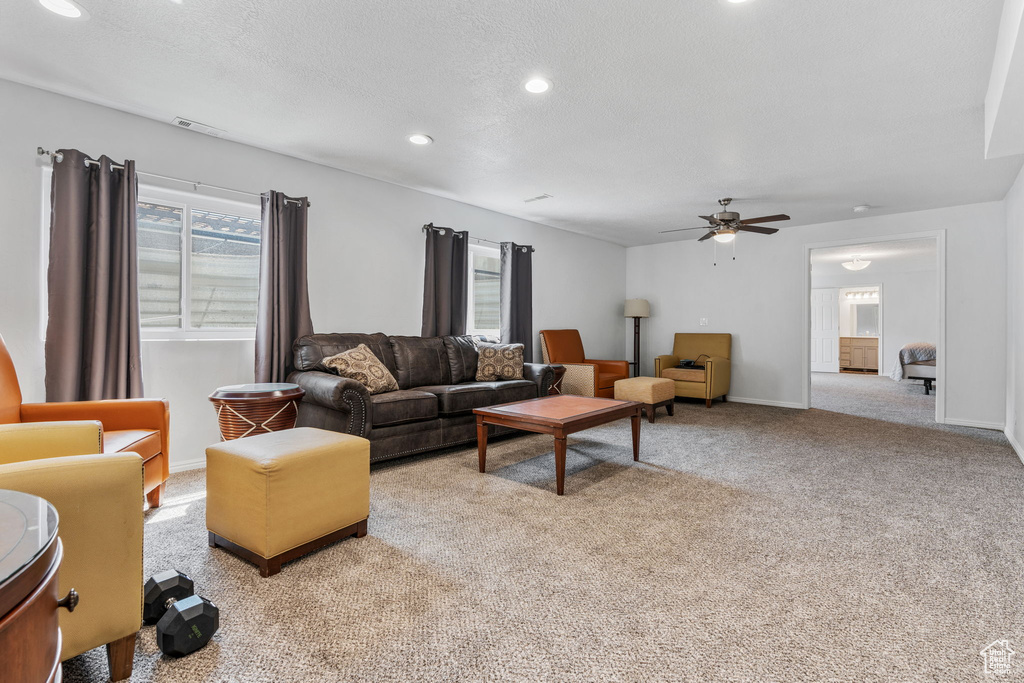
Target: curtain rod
column 431, row 226
column 59, row 157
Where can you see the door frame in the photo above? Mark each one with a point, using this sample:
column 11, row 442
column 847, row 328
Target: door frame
column 940, row 345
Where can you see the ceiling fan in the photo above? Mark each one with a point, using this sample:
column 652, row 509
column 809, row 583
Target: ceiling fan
column 725, row 224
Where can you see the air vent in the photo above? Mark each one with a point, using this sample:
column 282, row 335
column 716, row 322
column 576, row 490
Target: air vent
column 538, row 198
column 197, row 127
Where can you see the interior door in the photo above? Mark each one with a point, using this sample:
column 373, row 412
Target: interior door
column 825, row 330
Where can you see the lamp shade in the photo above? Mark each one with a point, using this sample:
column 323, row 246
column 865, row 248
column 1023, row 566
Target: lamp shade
column 637, row 308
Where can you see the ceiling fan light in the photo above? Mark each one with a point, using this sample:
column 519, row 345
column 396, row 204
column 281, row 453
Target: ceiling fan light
column 856, row 264
column 725, row 235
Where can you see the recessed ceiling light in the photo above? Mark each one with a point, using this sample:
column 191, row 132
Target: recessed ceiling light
column 736, row 2
column 420, row 139
column 65, row 8
column 537, row 85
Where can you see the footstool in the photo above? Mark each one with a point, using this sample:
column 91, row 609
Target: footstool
column 274, row 497
column 653, row 392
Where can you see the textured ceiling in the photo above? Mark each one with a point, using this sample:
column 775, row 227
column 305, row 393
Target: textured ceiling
column 658, row 107
column 901, row 256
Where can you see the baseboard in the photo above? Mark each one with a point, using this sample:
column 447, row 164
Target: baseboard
column 197, row 464
column 997, row 426
column 1014, row 444
column 763, row 402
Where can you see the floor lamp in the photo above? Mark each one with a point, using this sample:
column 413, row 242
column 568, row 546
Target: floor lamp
column 636, row 309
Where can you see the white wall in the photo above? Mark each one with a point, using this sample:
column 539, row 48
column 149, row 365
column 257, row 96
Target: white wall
column 910, row 307
column 365, row 249
column 1015, row 315
column 760, row 299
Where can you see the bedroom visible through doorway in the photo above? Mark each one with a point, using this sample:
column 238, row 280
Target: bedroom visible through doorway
column 874, row 329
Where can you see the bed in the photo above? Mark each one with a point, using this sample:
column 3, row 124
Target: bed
column 916, row 361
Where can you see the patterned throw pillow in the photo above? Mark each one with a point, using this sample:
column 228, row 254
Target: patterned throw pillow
column 361, row 365
column 499, row 362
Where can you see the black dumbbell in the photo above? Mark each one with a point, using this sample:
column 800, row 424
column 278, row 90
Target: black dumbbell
column 184, row 621
column 161, row 591
column 187, row 626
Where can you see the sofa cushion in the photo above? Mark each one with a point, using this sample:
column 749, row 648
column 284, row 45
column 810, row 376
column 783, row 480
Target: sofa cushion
column 454, row 399
column 499, row 362
column 463, row 357
column 396, row 407
column 421, row 361
column 361, row 365
column 310, row 351
column 684, row 374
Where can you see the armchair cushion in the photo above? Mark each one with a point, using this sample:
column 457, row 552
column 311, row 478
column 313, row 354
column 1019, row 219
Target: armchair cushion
column 563, row 346
column 684, row 374
column 142, row 441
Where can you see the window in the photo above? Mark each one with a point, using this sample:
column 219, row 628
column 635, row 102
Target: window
column 199, row 261
column 484, row 288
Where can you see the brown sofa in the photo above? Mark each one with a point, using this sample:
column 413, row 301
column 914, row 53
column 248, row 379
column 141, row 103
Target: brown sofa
column 433, row 407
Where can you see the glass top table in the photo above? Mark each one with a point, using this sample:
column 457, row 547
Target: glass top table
column 27, row 527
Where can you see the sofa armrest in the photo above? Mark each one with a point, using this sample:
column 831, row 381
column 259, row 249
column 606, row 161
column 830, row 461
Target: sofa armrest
column 541, row 374
column 21, row 441
column 99, row 501
column 718, row 375
column 341, row 394
column 664, row 362
column 620, row 367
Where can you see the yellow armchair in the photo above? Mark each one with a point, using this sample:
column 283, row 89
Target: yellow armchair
column 708, row 383
column 99, row 500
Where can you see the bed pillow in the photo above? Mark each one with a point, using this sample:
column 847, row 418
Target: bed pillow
column 499, row 362
column 361, row 365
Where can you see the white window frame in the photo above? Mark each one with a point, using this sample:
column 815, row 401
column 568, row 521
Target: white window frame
column 188, row 201
column 486, row 251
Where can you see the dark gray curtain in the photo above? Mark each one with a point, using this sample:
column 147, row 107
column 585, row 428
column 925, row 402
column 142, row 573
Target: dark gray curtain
column 517, row 297
column 92, row 331
column 283, row 312
column 445, row 292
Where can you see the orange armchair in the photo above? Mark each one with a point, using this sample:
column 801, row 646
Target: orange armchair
column 583, row 376
column 136, row 425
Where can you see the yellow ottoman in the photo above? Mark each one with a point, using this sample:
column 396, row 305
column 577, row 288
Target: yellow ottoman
column 274, row 497
column 653, row 392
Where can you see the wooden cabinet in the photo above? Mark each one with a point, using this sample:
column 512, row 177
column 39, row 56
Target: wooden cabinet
column 30, row 555
column 858, row 354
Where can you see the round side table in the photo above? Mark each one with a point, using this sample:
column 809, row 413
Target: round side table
column 247, row 409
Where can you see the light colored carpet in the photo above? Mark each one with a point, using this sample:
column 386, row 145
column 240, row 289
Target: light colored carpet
column 750, row 544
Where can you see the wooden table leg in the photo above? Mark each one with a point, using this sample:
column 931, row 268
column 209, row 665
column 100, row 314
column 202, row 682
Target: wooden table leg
column 481, row 442
column 560, row 462
column 635, row 419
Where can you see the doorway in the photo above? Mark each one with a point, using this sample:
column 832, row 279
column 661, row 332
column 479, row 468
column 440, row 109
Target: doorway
column 866, row 302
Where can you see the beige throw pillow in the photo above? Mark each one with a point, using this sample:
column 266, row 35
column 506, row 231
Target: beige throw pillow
column 499, row 362
column 361, row 365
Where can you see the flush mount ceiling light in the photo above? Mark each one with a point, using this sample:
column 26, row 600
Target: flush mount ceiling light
column 725, row 235
column 856, row 264
column 861, row 208
column 537, row 85
column 65, row 8
column 736, row 2
column 420, row 139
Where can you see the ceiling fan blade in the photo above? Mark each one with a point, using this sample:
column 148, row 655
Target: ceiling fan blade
column 766, row 219
column 712, row 220
column 757, row 228
column 708, row 236
column 703, row 227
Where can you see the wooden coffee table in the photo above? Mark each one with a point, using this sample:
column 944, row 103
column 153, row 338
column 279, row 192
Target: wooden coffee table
column 559, row 416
